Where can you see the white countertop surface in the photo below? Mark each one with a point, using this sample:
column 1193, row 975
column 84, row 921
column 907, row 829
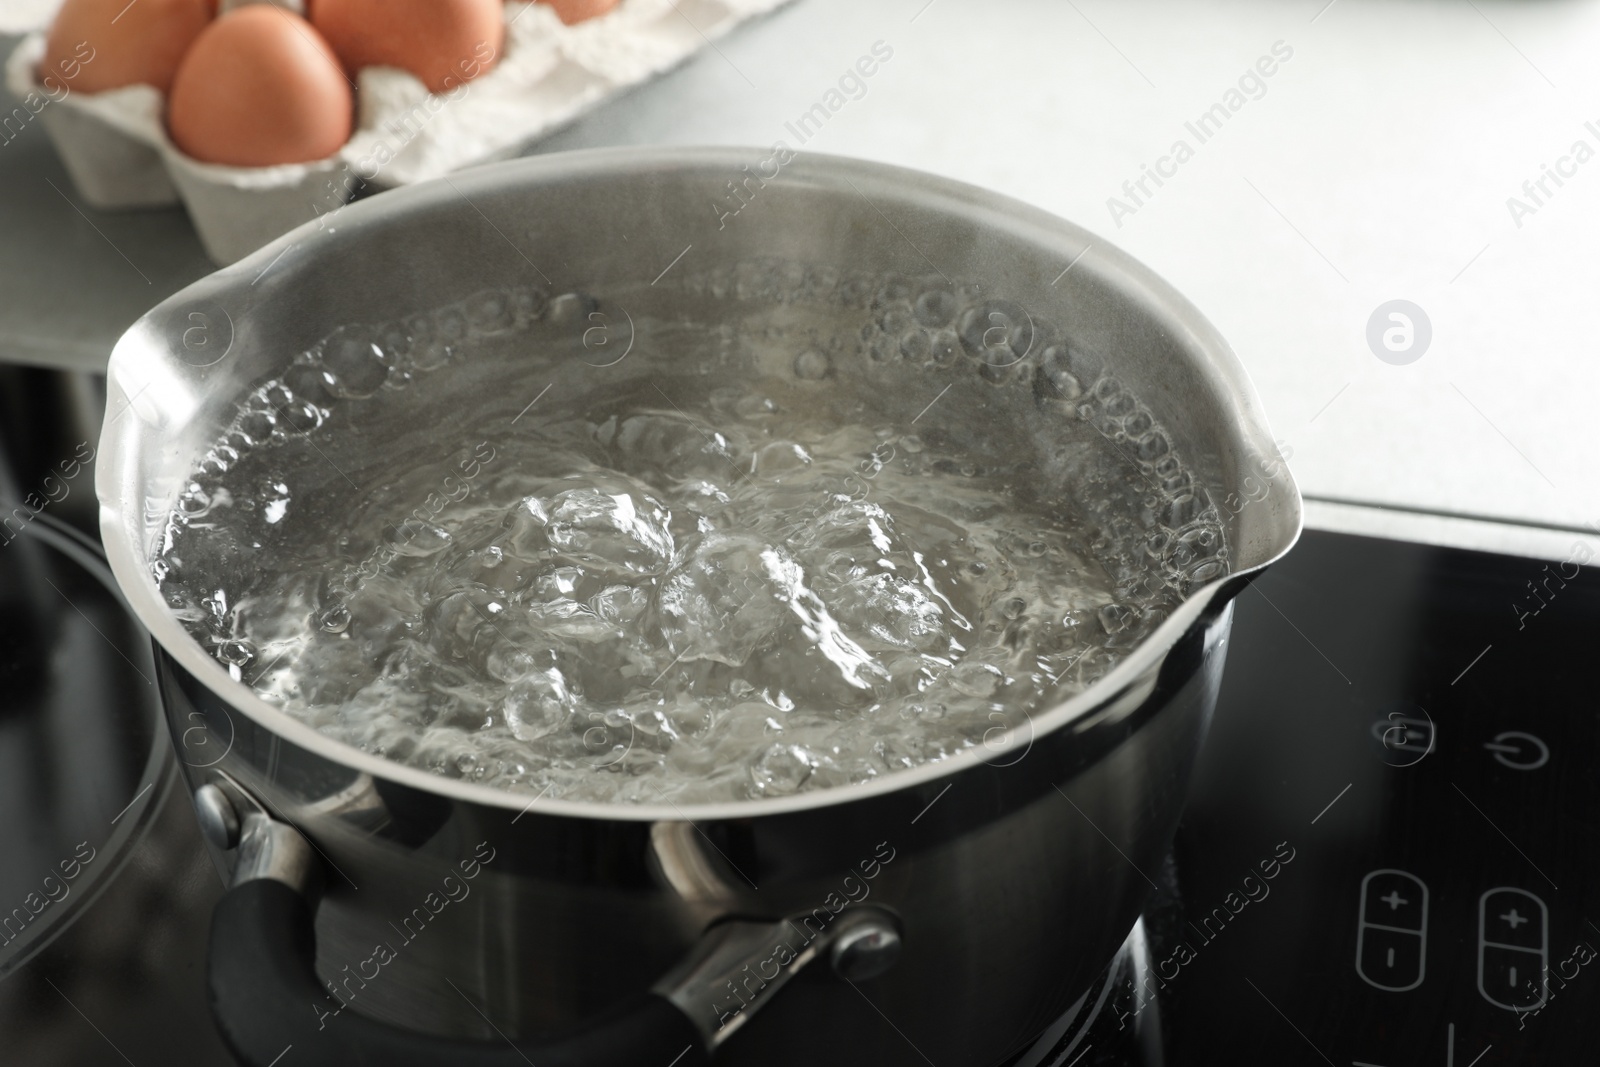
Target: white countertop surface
column 1376, row 165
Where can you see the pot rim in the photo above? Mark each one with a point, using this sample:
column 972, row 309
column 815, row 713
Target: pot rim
column 114, row 476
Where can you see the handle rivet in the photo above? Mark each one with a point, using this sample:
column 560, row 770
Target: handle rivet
column 865, row 951
column 219, row 822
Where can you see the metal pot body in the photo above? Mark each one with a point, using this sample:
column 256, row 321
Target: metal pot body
column 1015, row 881
column 1015, row 871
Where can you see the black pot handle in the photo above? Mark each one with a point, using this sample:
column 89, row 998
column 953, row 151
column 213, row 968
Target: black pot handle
column 272, row 1010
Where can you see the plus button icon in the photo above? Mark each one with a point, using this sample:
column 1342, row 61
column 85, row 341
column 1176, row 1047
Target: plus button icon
column 1515, row 920
column 1394, row 900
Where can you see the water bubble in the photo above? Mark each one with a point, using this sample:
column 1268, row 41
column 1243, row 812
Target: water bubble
column 419, row 328
column 302, row 416
column 856, row 290
column 240, row 441
column 1203, row 538
column 914, row 345
column 195, row 502
column 1013, row 607
column 219, row 459
column 996, row 332
column 309, row 382
column 790, row 279
column 537, row 705
column 490, row 312
column 820, row 282
column 528, row 304
column 1137, row 424
column 236, row 653
column 911, row 443
column 753, row 280
column 782, row 769
column 274, row 395
column 944, row 346
column 975, row 679
column 432, row 354
column 811, row 365
column 935, row 308
column 424, row 351
column 895, row 319
column 895, row 288
column 751, row 405
column 450, row 324
column 1153, row 446
column 355, row 365
column 1183, row 510
column 1191, row 547
column 335, row 620
column 996, row 373
column 1114, row 618
column 1054, row 379
column 257, row 425
column 510, row 664
column 395, row 340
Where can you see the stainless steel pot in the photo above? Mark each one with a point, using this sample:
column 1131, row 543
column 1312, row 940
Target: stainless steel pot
column 1003, row 879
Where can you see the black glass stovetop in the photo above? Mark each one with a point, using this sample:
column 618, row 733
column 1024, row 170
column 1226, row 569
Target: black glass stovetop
column 1388, row 858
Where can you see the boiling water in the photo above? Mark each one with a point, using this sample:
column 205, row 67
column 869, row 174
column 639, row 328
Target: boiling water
column 742, row 538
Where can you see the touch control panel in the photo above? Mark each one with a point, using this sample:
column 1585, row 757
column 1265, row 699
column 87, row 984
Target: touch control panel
column 1420, row 724
column 1392, row 938
column 1513, row 949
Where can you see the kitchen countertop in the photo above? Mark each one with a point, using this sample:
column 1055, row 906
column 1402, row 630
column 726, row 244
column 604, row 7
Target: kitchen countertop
column 1375, row 163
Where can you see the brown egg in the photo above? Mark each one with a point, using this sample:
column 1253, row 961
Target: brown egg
column 442, row 42
column 570, row 11
column 113, row 43
column 260, row 87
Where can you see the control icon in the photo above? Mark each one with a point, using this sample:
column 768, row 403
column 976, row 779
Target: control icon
column 1392, row 934
column 1513, row 949
column 1405, row 735
column 1519, row 751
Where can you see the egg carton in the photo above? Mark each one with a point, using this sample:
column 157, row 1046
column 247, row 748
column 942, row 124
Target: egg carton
column 116, row 151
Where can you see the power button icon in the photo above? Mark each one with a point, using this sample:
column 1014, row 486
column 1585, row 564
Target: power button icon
column 1519, row 751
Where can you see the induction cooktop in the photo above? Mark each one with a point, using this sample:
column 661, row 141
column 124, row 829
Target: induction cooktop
column 1388, row 858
